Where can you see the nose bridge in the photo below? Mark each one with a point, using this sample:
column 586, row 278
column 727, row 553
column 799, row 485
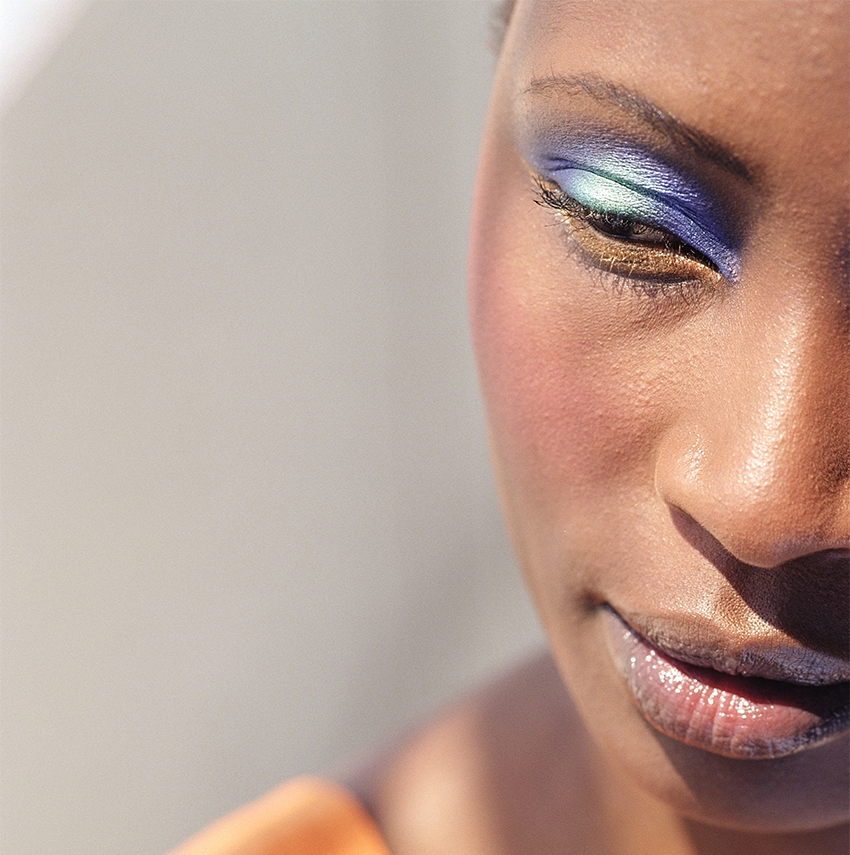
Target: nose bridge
column 779, row 433
column 762, row 462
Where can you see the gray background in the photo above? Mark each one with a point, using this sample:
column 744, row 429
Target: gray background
column 248, row 524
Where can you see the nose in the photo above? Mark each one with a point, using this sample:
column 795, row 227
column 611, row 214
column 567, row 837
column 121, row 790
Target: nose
column 760, row 456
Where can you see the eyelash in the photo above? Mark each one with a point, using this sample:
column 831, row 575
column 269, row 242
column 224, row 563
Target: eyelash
column 650, row 260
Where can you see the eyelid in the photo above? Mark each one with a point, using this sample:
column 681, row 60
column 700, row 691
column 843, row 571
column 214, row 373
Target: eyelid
column 606, row 195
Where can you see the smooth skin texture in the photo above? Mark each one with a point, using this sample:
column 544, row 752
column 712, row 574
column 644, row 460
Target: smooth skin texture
column 667, row 441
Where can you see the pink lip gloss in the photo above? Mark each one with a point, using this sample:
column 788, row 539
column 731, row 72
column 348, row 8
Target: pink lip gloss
column 736, row 716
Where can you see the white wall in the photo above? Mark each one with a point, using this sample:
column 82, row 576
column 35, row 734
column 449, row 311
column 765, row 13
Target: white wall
column 248, row 524
column 30, row 31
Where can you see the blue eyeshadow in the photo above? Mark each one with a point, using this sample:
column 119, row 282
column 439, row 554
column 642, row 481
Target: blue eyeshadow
column 623, row 180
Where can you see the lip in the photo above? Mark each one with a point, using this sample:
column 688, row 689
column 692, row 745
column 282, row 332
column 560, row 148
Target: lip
column 755, row 702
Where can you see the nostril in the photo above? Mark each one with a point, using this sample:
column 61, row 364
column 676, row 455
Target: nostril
column 732, row 508
column 766, row 537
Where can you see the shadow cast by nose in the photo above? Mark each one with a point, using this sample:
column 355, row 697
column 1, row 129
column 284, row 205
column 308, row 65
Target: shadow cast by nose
column 808, row 598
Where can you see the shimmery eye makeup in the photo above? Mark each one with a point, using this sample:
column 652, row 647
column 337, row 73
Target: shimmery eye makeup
column 624, row 183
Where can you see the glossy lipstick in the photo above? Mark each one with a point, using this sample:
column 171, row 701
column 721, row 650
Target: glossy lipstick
column 730, row 707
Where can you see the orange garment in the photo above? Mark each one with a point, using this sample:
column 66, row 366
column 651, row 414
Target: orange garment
column 306, row 816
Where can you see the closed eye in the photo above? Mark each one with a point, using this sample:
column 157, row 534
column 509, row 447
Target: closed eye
column 618, row 227
column 624, row 245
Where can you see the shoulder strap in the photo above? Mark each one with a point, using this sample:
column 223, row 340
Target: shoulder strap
column 306, row 816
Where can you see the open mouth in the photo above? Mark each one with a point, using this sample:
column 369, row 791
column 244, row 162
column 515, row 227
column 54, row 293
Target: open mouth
column 745, row 717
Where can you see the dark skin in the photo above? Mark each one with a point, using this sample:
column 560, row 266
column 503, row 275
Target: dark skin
column 678, row 453
column 513, row 771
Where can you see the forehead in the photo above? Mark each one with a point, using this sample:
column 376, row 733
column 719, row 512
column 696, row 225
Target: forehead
column 770, row 78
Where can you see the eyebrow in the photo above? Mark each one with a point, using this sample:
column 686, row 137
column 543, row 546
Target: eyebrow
column 641, row 108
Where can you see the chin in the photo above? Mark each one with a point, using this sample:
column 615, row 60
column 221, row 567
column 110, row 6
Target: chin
column 803, row 792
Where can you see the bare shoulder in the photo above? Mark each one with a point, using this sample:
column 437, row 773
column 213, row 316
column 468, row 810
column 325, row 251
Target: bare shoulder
column 504, row 771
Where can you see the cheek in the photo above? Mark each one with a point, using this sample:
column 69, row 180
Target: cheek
column 568, row 400
column 546, row 404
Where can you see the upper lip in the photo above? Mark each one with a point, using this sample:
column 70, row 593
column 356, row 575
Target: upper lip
column 697, row 641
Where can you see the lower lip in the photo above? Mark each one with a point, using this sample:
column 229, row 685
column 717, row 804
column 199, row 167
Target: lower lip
column 741, row 717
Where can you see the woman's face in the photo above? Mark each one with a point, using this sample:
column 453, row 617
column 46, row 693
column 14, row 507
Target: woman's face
column 659, row 301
